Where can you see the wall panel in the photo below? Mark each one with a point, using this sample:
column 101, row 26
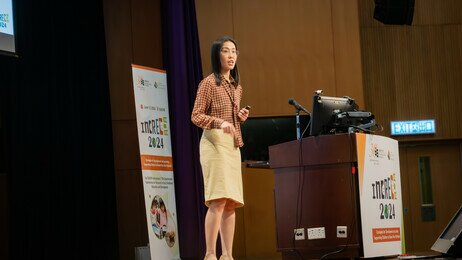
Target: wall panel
column 119, row 50
column 131, row 215
column 284, row 56
column 259, row 213
column 287, row 48
column 413, row 72
column 377, row 97
column 347, row 50
column 133, row 36
column 426, row 12
column 147, row 33
column 127, row 151
column 214, row 19
column 445, row 171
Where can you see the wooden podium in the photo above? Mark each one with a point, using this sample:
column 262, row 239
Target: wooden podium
column 316, row 186
column 333, row 188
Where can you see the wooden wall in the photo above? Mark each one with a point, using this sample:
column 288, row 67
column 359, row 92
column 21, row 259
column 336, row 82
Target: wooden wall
column 256, row 223
column 133, row 36
column 414, row 72
column 288, row 49
column 445, row 170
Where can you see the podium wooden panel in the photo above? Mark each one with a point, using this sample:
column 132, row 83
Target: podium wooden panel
column 316, row 186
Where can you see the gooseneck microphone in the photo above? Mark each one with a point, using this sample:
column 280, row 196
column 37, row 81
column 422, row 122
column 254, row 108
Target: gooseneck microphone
column 297, row 115
column 298, row 106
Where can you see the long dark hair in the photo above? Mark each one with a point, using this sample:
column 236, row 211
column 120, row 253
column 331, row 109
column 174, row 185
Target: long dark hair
column 216, row 64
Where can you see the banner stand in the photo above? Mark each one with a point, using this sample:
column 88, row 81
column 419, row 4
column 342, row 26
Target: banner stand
column 152, row 116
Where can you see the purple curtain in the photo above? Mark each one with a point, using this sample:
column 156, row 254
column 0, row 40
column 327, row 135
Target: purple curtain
column 184, row 71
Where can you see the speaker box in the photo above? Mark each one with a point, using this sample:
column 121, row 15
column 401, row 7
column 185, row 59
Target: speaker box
column 394, row 11
column 450, row 241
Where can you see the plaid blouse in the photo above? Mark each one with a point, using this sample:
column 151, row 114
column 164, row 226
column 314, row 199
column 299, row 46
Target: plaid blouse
column 215, row 104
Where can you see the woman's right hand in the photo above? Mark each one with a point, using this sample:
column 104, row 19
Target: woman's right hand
column 228, row 128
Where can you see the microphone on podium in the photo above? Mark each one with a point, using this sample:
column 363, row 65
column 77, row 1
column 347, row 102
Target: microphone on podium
column 297, row 115
column 298, row 106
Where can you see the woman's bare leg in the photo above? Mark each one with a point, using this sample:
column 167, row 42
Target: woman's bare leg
column 227, row 226
column 212, row 225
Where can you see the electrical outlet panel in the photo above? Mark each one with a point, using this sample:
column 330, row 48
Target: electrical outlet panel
column 299, row 234
column 342, row 232
column 316, row 233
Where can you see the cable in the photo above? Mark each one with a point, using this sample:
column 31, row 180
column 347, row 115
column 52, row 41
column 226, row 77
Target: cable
column 331, row 253
column 353, row 192
column 300, row 189
column 369, row 131
column 359, row 128
column 301, row 168
column 306, row 128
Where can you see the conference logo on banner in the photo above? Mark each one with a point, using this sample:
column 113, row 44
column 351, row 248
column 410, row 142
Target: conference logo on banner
column 152, row 115
column 380, row 195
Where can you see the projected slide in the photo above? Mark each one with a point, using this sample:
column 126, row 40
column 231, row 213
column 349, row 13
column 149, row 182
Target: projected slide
column 6, row 26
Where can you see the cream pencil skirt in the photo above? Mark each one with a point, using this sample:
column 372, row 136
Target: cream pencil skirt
column 221, row 167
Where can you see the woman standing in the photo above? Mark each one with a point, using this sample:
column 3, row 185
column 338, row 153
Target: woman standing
column 217, row 110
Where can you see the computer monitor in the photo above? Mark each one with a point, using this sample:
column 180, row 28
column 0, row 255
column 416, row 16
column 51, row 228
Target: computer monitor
column 324, row 111
column 450, row 241
column 260, row 132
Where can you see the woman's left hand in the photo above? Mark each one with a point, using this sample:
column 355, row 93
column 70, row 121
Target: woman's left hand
column 243, row 114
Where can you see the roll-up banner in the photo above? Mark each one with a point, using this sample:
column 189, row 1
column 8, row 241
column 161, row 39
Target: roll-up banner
column 380, row 195
column 152, row 116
